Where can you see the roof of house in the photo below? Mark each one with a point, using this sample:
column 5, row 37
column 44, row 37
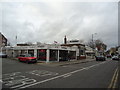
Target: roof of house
column 3, row 36
column 72, row 45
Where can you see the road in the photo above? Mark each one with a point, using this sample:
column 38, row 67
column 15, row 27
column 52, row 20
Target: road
column 94, row 74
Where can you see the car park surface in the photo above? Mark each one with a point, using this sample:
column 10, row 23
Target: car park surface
column 81, row 75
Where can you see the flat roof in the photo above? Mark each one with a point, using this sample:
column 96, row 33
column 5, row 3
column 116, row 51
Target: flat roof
column 72, row 45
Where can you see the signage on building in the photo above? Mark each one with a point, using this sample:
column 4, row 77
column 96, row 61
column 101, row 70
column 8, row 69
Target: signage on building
column 119, row 50
column 73, row 42
column 64, row 47
column 77, row 52
column 41, row 46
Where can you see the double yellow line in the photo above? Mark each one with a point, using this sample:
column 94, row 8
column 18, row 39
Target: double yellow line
column 114, row 79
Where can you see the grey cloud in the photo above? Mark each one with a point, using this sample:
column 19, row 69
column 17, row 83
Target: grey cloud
column 69, row 21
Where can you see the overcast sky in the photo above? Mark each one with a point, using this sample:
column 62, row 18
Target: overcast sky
column 47, row 22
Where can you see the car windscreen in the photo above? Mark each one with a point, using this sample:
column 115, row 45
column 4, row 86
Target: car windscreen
column 99, row 56
column 27, row 55
column 2, row 53
column 115, row 56
column 22, row 55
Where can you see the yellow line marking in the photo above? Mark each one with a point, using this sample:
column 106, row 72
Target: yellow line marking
column 113, row 79
column 115, row 82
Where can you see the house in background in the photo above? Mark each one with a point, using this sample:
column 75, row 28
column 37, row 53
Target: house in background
column 90, row 53
column 3, row 41
column 113, row 51
column 80, row 53
column 119, row 50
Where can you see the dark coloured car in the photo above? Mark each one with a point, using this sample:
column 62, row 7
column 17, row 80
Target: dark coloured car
column 27, row 58
column 115, row 58
column 100, row 58
column 2, row 55
column 109, row 56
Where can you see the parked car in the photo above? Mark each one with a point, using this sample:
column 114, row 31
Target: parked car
column 115, row 58
column 109, row 56
column 2, row 55
column 100, row 58
column 27, row 58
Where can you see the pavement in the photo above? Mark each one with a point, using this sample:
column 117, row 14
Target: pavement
column 61, row 63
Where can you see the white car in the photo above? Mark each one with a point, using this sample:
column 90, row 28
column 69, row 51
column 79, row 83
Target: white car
column 2, row 55
column 115, row 58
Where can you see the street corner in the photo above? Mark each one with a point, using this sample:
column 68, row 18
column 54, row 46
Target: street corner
column 12, row 58
column 39, row 63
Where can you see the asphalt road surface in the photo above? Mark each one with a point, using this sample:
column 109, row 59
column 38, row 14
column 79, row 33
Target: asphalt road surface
column 95, row 74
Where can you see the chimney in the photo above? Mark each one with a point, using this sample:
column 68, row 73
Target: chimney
column 65, row 40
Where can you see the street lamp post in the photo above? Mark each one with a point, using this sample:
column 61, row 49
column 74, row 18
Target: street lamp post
column 93, row 43
column 93, row 39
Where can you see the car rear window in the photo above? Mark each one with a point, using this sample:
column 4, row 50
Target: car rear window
column 22, row 55
column 25, row 55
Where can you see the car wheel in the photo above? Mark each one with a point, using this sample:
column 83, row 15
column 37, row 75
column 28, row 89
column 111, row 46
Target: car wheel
column 27, row 61
column 35, row 61
column 19, row 60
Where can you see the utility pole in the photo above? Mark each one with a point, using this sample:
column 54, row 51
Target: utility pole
column 93, row 39
column 16, row 40
column 93, row 46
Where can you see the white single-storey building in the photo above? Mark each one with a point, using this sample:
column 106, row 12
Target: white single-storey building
column 43, row 52
column 119, row 50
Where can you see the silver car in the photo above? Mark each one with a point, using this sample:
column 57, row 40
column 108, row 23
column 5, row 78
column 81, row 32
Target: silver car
column 2, row 55
column 115, row 58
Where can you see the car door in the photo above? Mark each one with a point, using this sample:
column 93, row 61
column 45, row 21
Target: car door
column 22, row 58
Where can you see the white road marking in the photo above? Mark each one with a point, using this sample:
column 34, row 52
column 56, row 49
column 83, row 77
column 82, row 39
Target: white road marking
column 42, row 73
column 69, row 66
column 17, row 80
column 67, row 75
column 24, row 82
column 86, row 68
column 64, row 66
column 1, row 81
column 12, row 78
column 12, row 74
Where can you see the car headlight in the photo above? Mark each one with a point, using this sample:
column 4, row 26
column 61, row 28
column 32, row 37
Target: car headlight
column 29, row 59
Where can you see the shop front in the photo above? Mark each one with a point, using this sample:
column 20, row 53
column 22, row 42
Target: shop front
column 41, row 54
column 31, row 52
column 53, row 55
column 47, row 54
column 66, row 55
column 72, row 55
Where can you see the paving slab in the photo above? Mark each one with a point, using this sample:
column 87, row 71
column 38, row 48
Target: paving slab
column 62, row 63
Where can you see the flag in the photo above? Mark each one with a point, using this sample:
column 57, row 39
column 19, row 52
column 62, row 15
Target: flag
column 55, row 41
column 16, row 36
column 16, row 40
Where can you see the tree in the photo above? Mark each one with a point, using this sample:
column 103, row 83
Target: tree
column 29, row 43
column 90, row 43
column 100, row 45
column 97, row 44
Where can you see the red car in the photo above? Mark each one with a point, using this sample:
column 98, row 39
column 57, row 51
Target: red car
column 27, row 58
